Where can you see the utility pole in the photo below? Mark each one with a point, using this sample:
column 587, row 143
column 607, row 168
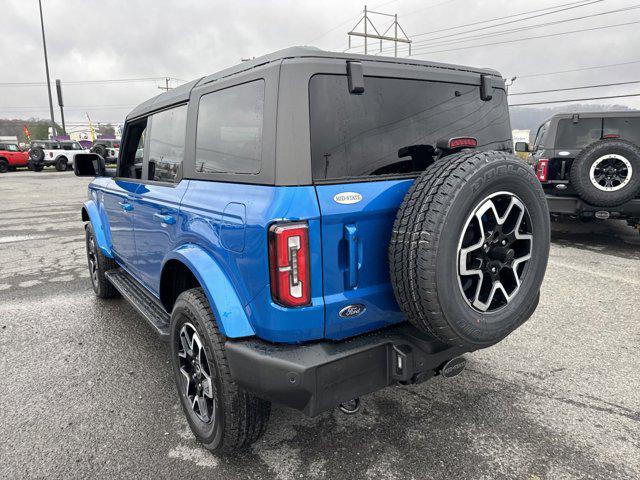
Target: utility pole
column 166, row 87
column 46, row 66
column 367, row 23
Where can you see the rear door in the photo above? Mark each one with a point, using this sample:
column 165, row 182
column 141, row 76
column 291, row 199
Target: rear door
column 366, row 151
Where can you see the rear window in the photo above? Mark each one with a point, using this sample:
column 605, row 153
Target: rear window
column 578, row 135
column 394, row 126
column 229, row 130
column 627, row 128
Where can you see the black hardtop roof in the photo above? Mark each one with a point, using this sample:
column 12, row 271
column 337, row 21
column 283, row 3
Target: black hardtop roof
column 603, row 114
column 181, row 93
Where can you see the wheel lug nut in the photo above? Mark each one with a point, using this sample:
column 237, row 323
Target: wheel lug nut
column 504, row 242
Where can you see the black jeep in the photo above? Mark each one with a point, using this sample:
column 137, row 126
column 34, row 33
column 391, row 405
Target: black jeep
column 589, row 164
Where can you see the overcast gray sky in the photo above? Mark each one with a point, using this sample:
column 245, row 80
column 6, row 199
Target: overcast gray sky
column 120, row 39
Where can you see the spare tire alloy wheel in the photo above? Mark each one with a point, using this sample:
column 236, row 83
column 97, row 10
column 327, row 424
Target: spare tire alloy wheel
column 610, row 172
column 469, row 248
column 607, row 172
column 494, row 248
column 194, row 367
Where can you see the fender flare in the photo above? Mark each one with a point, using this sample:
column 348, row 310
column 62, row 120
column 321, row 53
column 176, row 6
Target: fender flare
column 91, row 213
column 225, row 303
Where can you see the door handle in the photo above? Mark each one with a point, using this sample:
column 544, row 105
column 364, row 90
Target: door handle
column 126, row 206
column 167, row 219
column 351, row 235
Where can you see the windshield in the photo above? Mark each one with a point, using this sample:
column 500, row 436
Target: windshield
column 12, row 148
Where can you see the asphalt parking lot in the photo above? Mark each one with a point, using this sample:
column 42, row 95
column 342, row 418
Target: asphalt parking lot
column 86, row 387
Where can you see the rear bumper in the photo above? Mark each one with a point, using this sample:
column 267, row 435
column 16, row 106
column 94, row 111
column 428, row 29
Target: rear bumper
column 319, row 376
column 575, row 206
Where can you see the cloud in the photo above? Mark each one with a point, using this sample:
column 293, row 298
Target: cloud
column 113, row 39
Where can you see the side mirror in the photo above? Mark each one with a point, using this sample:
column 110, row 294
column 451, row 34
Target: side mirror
column 89, row 165
column 522, row 147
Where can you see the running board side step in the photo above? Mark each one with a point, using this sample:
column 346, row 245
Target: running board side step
column 143, row 301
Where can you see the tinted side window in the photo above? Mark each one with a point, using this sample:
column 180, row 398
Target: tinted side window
column 166, row 144
column 394, row 126
column 541, row 136
column 578, row 135
column 626, row 128
column 229, row 130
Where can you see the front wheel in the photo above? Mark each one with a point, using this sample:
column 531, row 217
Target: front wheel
column 4, row 166
column 221, row 415
column 98, row 265
column 62, row 164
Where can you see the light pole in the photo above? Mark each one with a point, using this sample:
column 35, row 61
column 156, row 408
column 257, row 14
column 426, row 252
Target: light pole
column 46, row 66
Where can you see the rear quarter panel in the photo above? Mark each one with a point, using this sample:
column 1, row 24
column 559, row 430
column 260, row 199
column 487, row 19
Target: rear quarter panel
column 211, row 217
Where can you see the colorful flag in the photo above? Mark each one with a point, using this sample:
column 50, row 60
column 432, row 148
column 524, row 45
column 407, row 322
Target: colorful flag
column 26, row 132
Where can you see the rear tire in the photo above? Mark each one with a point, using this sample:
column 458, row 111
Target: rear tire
column 447, row 241
column 36, row 167
column 4, row 166
column 229, row 419
column 607, row 172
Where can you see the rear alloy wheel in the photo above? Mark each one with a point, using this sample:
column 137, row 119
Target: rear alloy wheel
column 493, row 251
column 194, row 367
column 4, row 166
column 220, row 413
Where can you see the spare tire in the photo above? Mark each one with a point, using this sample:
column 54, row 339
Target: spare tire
column 100, row 149
column 607, row 172
column 469, row 248
column 36, row 154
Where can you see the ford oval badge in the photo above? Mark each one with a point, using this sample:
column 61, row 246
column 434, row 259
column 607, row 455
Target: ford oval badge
column 352, row 310
column 347, row 198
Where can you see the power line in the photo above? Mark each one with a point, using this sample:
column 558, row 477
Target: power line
column 504, row 42
column 496, row 19
column 575, row 88
column 427, row 8
column 542, row 74
column 576, row 100
column 90, row 82
column 558, row 8
column 526, row 27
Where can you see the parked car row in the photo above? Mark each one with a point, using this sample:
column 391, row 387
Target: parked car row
column 59, row 154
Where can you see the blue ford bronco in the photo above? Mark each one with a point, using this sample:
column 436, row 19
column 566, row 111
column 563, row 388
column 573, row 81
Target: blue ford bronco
column 309, row 227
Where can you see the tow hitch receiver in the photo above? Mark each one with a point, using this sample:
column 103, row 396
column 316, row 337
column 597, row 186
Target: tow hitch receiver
column 453, row 367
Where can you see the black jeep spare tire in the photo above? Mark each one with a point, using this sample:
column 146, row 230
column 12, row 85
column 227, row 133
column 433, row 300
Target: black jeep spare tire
column 36, row 154
column 100, row 149
column 607, row 172
column 469, row 248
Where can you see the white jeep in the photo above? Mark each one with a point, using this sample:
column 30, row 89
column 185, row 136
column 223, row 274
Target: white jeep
column 60, row 154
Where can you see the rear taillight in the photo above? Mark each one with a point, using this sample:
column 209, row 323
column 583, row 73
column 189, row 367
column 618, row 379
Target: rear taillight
column 289, row 264
column 611, row 135
column 463, row 142
column 542, row 169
